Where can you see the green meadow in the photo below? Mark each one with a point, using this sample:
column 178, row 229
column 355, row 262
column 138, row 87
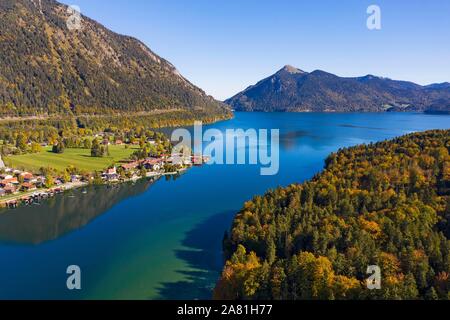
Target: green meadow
column 79, row 158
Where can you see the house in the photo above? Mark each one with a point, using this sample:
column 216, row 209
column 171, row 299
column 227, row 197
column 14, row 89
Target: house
column 152, row 142
column 10, row 190
column 130, row 165
column 74, row 178
column 4, row 176
column 40, row 181
column 152, row 164
column 8, row 182
column 176, row 159
column 106, row 142
column 58, row 182
column 27, row 186
column 27, row 177
column 119, row 142
column 111, row 174
column 2, row 192
column 111, row 170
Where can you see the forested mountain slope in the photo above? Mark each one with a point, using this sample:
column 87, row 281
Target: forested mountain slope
column 47, row 68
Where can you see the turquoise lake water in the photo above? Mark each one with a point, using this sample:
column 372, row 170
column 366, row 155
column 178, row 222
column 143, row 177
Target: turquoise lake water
column 162, row 239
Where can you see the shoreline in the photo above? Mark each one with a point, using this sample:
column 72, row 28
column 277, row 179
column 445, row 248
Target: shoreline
column 23, row 199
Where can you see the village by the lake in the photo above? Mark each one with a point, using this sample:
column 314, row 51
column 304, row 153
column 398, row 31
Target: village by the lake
column 25, row 187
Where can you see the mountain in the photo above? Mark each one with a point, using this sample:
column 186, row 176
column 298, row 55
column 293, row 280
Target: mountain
column 47, row 68
column 443, row 85
column 292, row 89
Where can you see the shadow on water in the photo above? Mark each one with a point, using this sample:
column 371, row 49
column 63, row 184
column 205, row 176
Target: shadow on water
column 60, row 215
column 203, row 254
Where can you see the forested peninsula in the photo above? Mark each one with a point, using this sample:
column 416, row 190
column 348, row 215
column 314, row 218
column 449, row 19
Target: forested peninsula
column 383, row 204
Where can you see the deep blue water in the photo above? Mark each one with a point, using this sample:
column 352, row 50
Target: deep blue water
column 162, row 240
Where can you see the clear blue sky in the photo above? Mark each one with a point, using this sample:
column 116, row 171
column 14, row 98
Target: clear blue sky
column 223, row 46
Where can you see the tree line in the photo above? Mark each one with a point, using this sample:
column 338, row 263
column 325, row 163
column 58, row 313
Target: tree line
column 26, row 136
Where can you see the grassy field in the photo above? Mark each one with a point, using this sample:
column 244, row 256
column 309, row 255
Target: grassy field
column 79, row 158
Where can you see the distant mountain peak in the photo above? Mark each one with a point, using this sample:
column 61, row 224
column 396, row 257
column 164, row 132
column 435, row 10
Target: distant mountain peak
column 290, row 69
column 291, row 89
column 443, row 85
column 370, row 77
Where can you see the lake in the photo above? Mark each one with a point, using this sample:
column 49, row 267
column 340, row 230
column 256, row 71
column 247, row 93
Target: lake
column 162, row 239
